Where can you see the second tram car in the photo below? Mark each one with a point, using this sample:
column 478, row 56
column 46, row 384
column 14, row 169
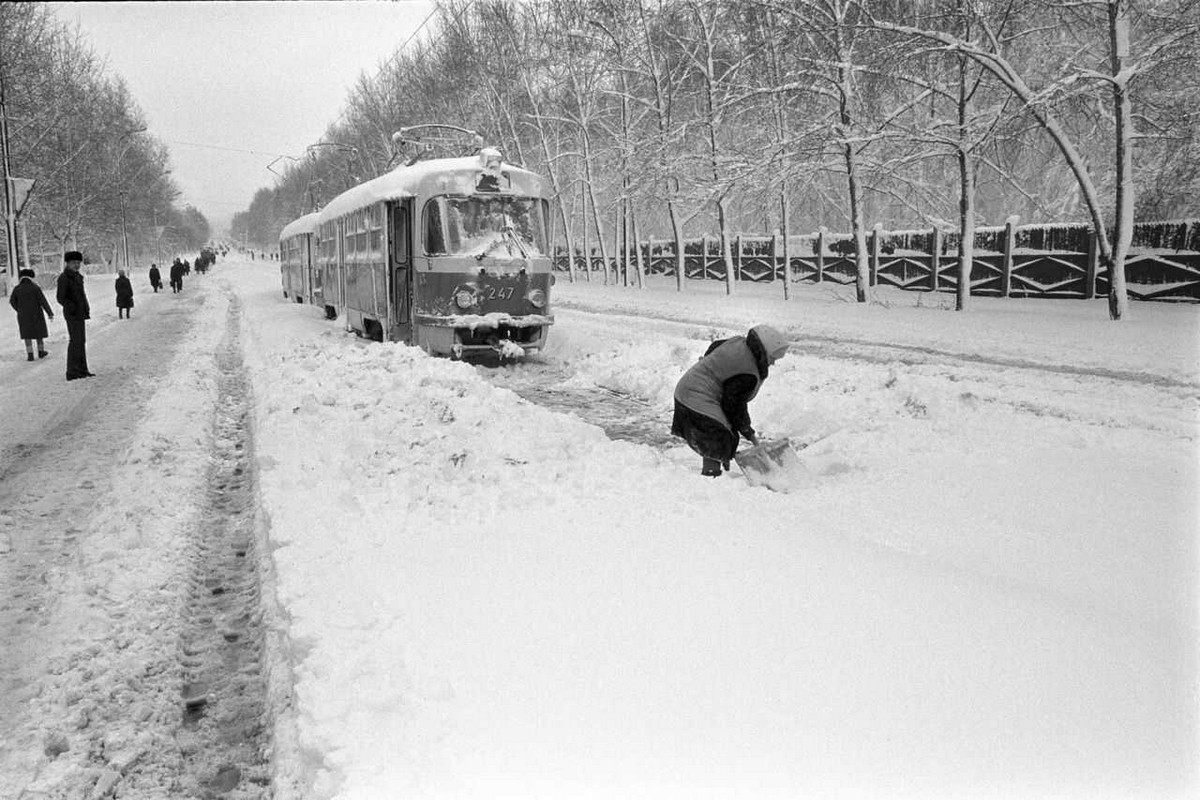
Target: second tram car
column 296, row 262
column 449, row 254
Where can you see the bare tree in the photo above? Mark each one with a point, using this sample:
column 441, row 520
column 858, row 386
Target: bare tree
column 987, row 49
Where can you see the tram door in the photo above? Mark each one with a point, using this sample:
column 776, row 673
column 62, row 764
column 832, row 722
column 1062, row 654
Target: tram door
column 400, row 270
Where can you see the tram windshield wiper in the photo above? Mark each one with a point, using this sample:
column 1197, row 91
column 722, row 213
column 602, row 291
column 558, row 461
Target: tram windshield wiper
column 508, row 237
column 511, row 233
column 487, row 250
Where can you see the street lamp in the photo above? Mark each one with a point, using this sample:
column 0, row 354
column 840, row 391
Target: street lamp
column 124, row 191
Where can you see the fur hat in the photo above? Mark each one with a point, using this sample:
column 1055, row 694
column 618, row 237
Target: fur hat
column 25, row 273
column 774, row 343
column 72, row 255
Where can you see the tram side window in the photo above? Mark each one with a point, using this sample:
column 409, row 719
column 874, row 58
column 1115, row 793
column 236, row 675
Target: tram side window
column 435, row 242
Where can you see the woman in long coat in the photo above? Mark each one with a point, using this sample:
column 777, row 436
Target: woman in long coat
column 29, row 301
column 124, row 294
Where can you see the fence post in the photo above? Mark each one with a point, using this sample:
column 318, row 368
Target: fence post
column 704, row 257
column 650, row 254
column 935, row 259
column 820, row 255
column 876, row 236
column 1006, row 262
column 1093, row 267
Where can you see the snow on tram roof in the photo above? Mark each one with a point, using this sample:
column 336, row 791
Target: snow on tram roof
column 305, row 224
column 404, row 181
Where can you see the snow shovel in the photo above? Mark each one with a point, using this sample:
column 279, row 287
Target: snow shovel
column 773, row 464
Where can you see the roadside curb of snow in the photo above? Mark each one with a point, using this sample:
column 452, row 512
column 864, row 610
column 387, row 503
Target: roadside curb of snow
column 277, row 672
column 292, row 774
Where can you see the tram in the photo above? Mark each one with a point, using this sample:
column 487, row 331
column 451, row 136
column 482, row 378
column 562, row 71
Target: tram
column 450, row 254
column 300, row 281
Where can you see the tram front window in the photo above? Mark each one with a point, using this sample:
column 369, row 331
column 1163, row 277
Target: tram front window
column 494, row 225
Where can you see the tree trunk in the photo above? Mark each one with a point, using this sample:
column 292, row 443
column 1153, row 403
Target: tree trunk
column 677, row 232
column 857, row 226
column 637, row 249
column 1118, row 22
column 966, row 188
column 587, row 246
column 599, row 222
column 787, row 253
column 726, row 255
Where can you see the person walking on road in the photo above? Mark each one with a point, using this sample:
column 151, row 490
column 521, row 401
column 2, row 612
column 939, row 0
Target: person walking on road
column 124, row 294
column 711, row 398
column 76, row 311
column 176, row 277
column 29, row 301
column 155, row 278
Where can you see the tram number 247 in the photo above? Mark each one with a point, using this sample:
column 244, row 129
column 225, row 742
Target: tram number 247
column 496, row 293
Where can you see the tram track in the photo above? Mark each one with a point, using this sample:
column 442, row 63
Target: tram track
column 622, row 416
column 1102, row 397
column 865, row 350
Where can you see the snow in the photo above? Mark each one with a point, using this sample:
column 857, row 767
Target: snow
column 305, row 224
column 988, row 588
column 405, row 179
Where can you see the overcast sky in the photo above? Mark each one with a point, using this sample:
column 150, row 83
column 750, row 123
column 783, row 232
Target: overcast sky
column 228, row 86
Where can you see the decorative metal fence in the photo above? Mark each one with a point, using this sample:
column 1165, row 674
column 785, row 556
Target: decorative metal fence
column 1008, row 261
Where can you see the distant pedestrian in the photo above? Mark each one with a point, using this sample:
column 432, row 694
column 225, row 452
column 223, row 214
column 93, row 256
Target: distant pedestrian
column 155, row 278
column 76, row 311
column 124, row 294
column 177, row 276
column 29, row 301
column 711, row 398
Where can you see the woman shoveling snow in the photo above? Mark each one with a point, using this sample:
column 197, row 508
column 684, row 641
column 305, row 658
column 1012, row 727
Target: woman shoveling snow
column 711, row 398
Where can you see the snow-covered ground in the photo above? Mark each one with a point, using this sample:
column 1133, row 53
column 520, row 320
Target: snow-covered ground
column 987, row 587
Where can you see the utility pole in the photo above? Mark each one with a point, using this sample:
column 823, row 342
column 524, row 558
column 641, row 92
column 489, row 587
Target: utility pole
column 158, row 232
column 10, row 205
column 124, row 233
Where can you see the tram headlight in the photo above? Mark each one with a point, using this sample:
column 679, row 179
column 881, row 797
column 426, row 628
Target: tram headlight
column 536, row 298
column 464, row 298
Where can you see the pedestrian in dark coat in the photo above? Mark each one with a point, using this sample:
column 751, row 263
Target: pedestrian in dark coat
column 29, row 301
column 155, row 278
column 711, row 399
column 76, row 310
column 124, row 294
column 177, row 276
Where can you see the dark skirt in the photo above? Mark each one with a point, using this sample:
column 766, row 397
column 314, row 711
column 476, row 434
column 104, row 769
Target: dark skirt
column 705, row 435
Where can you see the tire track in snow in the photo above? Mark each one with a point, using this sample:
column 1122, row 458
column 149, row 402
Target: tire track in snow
column 224, row 730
